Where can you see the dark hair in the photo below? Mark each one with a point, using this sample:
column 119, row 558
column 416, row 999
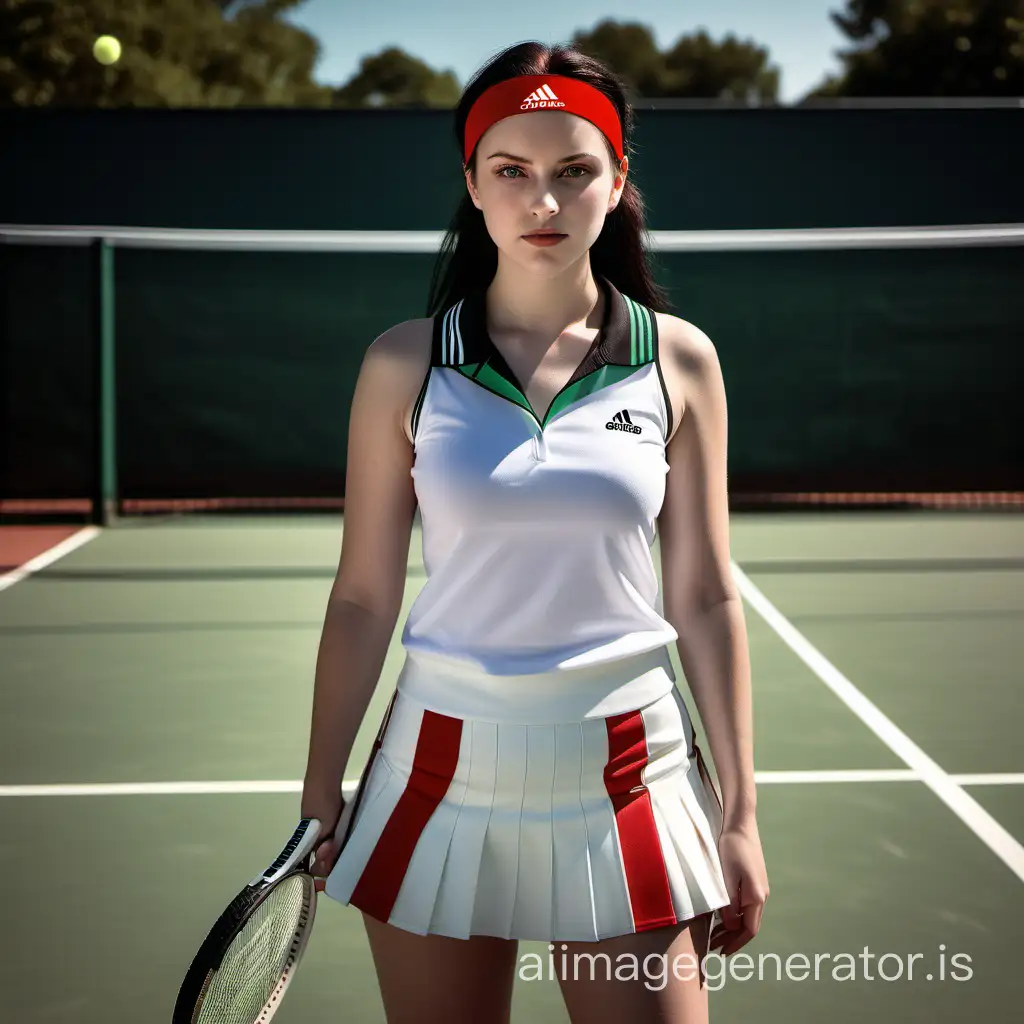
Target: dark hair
column 468, row 257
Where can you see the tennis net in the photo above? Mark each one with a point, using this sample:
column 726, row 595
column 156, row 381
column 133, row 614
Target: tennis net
column 166, row 371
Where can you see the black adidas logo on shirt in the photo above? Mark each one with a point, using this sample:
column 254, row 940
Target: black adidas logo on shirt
column 621, row 421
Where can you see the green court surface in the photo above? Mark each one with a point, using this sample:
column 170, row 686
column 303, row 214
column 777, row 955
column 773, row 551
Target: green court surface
column 160, row 656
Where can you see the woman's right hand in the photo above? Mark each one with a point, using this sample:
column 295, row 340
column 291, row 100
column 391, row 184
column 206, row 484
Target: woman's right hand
column 325, row 804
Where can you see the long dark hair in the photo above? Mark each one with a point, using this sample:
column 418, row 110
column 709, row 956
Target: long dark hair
column 468, row 257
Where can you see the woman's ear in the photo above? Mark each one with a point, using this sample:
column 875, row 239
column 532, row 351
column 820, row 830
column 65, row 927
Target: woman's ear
column 473, row 194
column 619, row 185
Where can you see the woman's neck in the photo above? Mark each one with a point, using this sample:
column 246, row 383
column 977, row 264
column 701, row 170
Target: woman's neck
column 535, row 305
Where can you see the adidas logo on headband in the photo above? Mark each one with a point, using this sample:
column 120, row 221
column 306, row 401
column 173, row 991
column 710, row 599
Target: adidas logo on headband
column 541, row 99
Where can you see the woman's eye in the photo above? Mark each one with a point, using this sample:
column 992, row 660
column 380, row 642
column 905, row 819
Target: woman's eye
column 566, row 173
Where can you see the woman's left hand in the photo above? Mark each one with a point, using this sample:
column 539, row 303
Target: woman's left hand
column 746, row 878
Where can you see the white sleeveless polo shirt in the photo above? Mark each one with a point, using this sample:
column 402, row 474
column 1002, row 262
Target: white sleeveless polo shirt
column 536, row 775
column 537, row 532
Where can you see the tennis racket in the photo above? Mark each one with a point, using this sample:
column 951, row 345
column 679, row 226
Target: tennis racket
column 249, row 957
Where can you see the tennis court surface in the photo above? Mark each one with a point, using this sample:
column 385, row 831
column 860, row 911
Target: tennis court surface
column 154, row 713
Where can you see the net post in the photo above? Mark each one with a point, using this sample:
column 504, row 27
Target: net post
column 104, row 503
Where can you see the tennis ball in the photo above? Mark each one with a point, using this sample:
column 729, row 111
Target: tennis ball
column 107, row 50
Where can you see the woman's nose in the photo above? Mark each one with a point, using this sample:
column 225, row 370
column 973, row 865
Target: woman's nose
column 544, row 200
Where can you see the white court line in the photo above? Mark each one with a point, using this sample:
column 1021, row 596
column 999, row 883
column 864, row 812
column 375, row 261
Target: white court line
column 348, row 787
column 839, row 775
column 943, row 785
column 76, row 540
column 990, row 779
column 165, row 788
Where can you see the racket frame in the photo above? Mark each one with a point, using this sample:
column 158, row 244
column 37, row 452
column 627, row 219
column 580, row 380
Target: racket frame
column 295, row 858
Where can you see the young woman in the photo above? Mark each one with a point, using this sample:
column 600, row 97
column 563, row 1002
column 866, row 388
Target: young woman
column 537, row 776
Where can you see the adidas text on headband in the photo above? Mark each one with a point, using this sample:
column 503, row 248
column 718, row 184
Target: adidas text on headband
column 526, row 93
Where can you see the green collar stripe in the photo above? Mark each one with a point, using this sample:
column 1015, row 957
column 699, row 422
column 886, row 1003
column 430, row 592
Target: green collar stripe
column 493, row 381
column 635, row 333
column 641, row 339
column 634, row 330
column 608, row 374
column 649, row 336
column 593, row 382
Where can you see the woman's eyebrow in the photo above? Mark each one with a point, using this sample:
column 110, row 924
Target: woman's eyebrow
column 523, row 160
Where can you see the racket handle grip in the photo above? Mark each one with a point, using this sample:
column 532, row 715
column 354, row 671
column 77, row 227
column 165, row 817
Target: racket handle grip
column 296, row 851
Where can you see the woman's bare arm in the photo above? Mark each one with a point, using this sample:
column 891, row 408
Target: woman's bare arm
column 700, row 598
column 368, row 589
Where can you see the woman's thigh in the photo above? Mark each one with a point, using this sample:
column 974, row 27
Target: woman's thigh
column 654, row 976
column 426, row 978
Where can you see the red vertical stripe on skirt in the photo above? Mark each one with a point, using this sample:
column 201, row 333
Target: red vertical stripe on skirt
column 650, row 895
column 433, row 768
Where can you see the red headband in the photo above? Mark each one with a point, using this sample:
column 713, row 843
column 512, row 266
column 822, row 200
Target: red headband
column 526, row 93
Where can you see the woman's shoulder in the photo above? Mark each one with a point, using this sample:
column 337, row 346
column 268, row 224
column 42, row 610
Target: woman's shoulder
column 403, row 353
column 682, row 342
column 407, row 341
column 685, row 355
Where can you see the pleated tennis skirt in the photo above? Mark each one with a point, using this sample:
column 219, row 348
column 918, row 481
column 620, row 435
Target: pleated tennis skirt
column 533, row 807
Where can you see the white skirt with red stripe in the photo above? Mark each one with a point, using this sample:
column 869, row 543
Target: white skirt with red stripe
column 520, row 822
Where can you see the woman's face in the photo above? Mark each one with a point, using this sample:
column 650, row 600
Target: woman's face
column 545, row 170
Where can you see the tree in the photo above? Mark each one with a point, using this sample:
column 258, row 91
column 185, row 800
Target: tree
column 694, row 66
column 629, row 49
column 930, row 48
column 196, row 53
column 393, row 78
column 732, row 69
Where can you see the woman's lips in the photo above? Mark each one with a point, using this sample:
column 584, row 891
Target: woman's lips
column 543, row 240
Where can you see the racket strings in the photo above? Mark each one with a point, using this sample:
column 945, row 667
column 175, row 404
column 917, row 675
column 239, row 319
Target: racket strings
column 259, row 957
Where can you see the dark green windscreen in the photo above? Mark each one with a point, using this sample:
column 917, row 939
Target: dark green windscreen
column 862, row 368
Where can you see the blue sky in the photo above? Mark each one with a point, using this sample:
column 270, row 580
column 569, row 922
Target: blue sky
column 461, row 35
